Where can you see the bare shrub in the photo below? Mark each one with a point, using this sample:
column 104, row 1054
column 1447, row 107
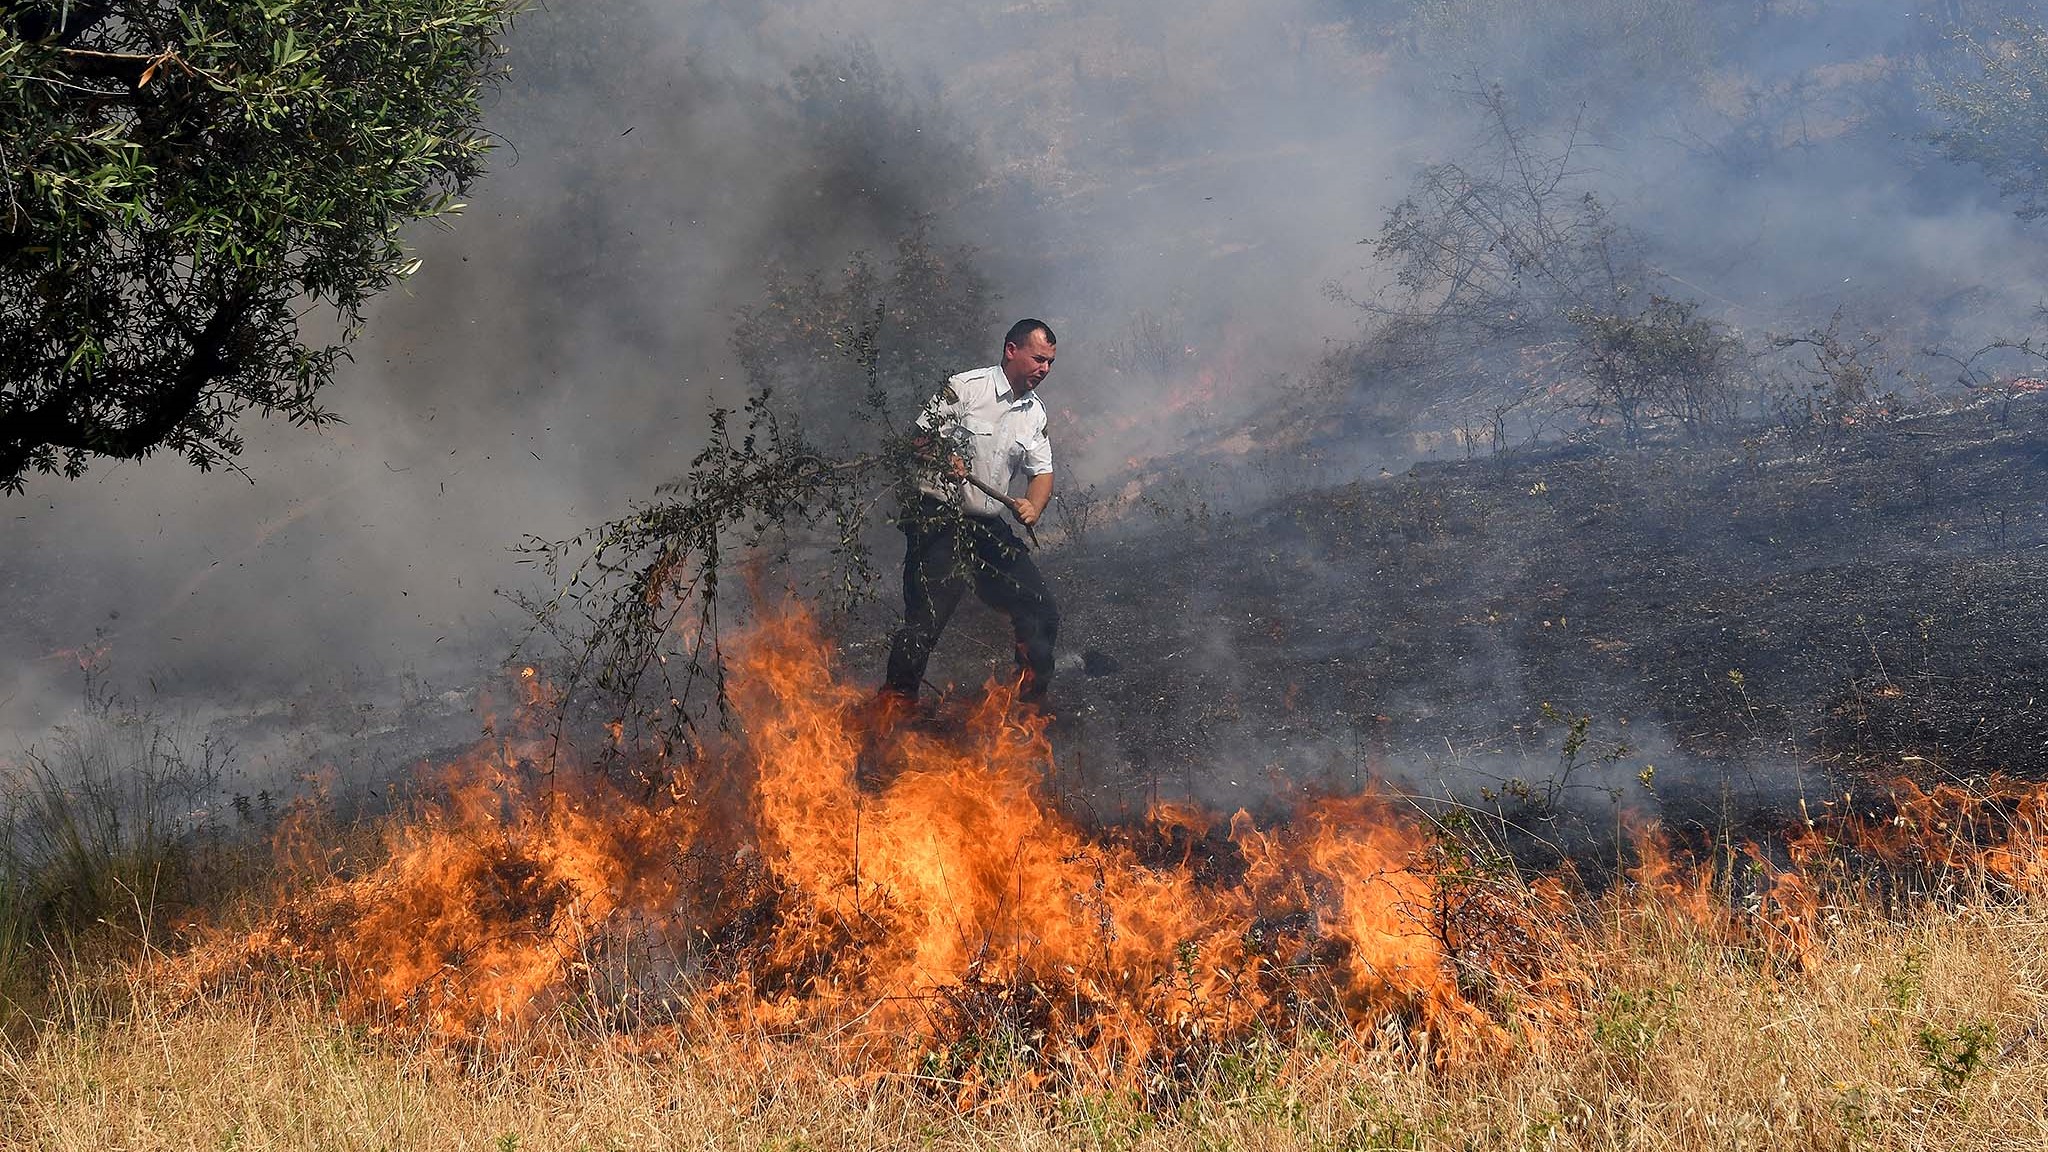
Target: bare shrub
column 1150, row 343
column 1080, row 512
column 1838, row 378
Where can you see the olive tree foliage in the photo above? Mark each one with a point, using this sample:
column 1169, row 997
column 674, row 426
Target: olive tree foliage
column 197, row 199
column 838, row 354
column 864, row 309
column 1997, row 111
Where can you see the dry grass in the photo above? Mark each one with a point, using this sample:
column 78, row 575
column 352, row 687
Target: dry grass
column 1921, row 1032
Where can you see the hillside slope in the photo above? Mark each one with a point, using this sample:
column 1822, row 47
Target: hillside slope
column 1745, row 618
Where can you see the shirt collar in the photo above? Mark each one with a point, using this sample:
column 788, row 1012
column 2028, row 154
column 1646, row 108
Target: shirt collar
column 1005, row 394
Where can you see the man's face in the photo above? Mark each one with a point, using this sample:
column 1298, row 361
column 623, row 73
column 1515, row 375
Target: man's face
column 1027, row 363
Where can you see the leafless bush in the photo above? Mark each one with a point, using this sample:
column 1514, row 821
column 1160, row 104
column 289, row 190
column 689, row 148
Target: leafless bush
column 1838, row 378
column 1080, row 512
column 1151, row 343
column 1516, row 291
column 2007, row 366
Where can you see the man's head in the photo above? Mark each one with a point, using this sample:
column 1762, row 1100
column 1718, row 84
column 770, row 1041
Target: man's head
column 1027, row 354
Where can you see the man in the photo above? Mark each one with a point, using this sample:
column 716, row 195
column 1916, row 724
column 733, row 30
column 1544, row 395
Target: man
column 954, row 531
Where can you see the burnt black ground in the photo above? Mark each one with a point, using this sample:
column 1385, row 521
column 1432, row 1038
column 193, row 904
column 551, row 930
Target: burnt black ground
column 1757, row 619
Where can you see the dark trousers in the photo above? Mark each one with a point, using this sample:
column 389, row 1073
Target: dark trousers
column 945, row 550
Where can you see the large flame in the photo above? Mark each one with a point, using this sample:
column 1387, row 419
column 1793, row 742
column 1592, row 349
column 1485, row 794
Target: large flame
column 780, row 889
column 830, row 871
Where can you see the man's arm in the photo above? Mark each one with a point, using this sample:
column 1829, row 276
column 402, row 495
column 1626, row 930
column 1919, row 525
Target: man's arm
column 1037, row 494
column 1038, row 463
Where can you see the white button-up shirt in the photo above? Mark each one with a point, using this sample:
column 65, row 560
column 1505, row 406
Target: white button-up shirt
column 997, row 433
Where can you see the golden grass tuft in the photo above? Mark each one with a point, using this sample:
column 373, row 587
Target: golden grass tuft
column 1921, row 1031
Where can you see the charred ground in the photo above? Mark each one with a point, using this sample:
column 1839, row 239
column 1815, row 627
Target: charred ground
column 1758, row 619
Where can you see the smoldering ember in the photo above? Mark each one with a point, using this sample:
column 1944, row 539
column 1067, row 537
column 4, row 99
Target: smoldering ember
column 1323, row 573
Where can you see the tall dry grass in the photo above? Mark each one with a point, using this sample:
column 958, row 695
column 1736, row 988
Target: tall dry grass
column 105, row 838
column 1921, row 1030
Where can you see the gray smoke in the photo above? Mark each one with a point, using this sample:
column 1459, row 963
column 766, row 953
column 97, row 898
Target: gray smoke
column 1173, row 186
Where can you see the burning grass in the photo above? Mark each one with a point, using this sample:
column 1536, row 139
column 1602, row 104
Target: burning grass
column 903, row 893
column 841, row 927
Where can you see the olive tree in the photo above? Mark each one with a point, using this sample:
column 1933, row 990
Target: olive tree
column 636, row 602
column 197, row 199
column 818, row 344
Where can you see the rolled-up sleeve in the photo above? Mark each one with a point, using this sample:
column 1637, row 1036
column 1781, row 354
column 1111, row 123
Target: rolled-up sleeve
column 1038, row 450
column 940, row 410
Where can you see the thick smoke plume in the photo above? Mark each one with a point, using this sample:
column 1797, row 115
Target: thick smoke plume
column 1181, row 190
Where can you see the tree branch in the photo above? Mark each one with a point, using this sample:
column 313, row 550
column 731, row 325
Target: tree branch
column 57, row 25
column 56, row 424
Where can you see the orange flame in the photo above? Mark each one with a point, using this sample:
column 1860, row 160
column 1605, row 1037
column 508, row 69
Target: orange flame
column 1997, row 829
column 950, row 901
column 773, row 887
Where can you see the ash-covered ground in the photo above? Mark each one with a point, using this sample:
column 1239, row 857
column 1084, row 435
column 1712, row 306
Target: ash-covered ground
column 1742, row 624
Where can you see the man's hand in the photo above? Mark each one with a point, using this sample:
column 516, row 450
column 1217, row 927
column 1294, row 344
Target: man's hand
column 1037, row 498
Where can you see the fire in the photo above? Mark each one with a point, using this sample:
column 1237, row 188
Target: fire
column 1993, row 834
column 956, row 883
column 829, row 871
column 778, row 890
column 1775, row 915
column 1997, row 830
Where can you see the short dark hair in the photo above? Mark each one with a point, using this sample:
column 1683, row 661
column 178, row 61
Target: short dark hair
column 1022, row 330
